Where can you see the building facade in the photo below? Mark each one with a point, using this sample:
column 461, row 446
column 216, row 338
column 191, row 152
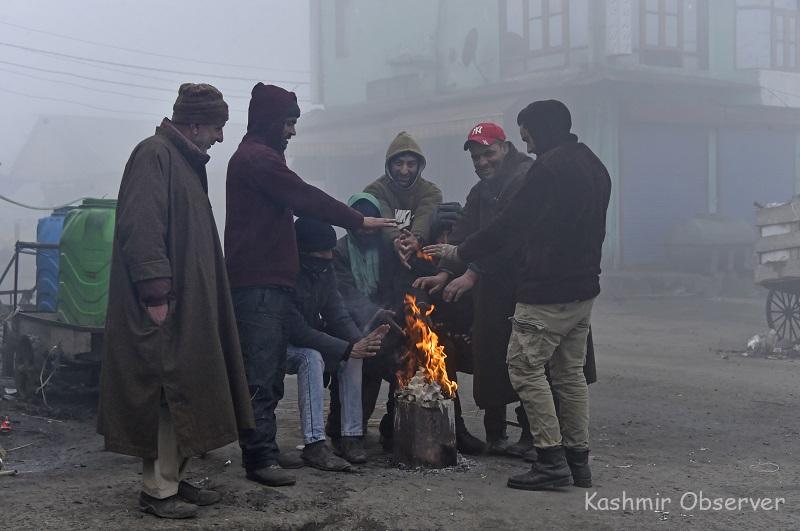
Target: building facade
column 694, row 105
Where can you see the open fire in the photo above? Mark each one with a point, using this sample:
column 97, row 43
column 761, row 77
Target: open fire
column 424, row 422
column 424, row 362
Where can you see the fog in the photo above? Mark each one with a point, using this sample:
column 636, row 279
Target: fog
column 694, row 111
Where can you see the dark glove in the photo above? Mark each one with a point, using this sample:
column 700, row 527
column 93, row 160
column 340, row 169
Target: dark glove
column 446, row 216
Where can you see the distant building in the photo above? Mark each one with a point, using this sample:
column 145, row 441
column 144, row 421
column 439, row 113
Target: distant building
column 694, row 105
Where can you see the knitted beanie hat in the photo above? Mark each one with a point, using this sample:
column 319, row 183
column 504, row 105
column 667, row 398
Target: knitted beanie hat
column 199, row 103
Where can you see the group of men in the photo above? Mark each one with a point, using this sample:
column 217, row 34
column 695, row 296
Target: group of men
column 198, row 342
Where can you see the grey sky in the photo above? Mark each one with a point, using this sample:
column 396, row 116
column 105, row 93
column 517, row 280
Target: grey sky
column 268, row 34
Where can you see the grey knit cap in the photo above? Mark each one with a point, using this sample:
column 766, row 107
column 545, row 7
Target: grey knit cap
column 199, row 103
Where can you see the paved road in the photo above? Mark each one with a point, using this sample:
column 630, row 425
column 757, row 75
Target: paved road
column 677, row 411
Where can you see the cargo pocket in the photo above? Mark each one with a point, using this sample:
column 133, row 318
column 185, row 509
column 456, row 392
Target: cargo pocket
column 531, row 343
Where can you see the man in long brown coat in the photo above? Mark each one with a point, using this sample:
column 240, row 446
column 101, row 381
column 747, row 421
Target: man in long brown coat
column 173, row 383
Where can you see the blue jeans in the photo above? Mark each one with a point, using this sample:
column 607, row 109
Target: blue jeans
column 261, row 317
column 307, row 364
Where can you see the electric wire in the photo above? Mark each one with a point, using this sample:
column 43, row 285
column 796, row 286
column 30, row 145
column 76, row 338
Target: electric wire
column 142, row 67
column 153, row 54
column 82, row 104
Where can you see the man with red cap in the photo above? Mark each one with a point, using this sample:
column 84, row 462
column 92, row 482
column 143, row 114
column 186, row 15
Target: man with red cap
column 501, row 170
column 262, row 260
column 559, row 213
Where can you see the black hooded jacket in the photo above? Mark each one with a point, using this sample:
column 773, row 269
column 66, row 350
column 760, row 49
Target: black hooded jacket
column 559, row 214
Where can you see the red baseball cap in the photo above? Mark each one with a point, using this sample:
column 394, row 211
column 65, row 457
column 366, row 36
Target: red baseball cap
column 485, row 133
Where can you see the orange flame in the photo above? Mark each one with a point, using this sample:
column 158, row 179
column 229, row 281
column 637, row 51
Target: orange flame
column 428, row 354
column 424, row 256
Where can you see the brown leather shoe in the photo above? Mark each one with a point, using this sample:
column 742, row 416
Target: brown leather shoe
column 173, row 508
column 197, row 495
column 320, row 456
column 272, row 476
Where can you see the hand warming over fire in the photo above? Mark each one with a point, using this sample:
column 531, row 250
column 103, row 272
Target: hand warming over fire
column 443, row 251
column 405, row 246
column 378, row 223
column 457, row 288
column 371, row 344
column 432, row 284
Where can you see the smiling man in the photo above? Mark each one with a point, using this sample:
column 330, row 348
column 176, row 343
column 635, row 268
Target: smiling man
column 173, row 383
column 501, row 170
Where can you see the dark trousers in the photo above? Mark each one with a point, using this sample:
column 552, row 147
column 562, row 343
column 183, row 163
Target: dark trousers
column 261, row 317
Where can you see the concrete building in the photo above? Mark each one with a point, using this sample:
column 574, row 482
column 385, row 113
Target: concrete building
column 694, row 105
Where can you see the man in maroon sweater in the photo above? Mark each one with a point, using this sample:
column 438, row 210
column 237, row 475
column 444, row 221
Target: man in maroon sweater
column 262, row 260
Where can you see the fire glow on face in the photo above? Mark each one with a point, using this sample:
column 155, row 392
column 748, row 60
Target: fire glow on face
column 425, row 352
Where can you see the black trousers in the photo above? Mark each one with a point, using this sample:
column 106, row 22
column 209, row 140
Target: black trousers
column 262, row 317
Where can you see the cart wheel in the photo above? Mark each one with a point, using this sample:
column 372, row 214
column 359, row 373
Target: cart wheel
column 783, row 314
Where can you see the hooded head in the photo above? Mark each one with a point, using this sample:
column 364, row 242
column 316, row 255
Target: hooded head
column 545, row 125
column 315, row 242
column 369, row 206
column 404, row 160
column 270, row 108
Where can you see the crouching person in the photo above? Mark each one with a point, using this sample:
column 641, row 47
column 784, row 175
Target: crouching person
column 173, row 383
column 324, row 338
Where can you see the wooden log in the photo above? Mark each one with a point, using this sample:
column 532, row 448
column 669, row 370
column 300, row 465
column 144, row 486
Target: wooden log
column 425, row 436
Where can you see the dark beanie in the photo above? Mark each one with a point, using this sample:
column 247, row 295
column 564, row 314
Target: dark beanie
column 548, row 122
column 199, row 103
column 270, row 104
column 314, row 235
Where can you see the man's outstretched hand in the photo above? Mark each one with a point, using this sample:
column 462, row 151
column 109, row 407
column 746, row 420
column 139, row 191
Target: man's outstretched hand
column 378, row 223
column 433, row 284
column 371, row 344
column 443, row 251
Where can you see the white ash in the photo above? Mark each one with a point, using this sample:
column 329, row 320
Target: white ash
column 427, row 394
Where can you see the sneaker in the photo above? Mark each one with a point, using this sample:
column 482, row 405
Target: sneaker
column 173, row 507
column 549, row 472
column 197, row 495
column 272, row 476
column 467, row 443
column 320, row 456
column 351, row 449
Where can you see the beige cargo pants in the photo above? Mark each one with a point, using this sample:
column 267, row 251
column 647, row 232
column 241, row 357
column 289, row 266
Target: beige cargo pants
column 554, row 334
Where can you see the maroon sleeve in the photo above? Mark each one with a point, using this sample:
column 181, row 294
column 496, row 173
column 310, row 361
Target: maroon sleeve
column 287, row 188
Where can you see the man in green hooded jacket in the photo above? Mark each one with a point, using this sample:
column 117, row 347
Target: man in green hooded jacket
column 405, row 196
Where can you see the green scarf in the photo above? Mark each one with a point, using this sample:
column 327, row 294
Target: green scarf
column 364, row 263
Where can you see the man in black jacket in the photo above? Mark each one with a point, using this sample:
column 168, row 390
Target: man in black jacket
column 324, row 339
column 560, row 216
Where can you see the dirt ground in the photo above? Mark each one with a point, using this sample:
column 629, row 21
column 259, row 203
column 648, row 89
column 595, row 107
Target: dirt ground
column 677, row 411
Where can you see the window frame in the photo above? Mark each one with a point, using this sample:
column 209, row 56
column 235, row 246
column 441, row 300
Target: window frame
column 663, row 54
column 775, row 13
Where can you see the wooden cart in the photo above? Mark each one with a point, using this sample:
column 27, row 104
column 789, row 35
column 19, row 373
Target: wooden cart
column 778, row 266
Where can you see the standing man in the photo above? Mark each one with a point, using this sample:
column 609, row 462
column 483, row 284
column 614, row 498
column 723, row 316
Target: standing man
column 560, row 215
column 262, row 259
column 501, row 171
column 173, row 384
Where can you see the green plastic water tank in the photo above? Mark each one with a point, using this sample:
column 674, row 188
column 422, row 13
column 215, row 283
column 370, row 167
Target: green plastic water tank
column 86, row 243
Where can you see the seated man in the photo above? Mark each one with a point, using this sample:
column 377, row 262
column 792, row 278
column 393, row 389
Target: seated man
column 371, row 278
column 324, row 338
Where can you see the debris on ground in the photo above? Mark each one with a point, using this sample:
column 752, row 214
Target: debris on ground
column 770, row 346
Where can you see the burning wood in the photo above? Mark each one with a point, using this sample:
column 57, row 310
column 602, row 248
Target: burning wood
column 424, row 424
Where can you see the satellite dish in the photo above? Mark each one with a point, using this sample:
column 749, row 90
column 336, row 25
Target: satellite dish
column 470, row 47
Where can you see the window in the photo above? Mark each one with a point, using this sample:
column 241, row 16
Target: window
column 531, row 29
column 672, row 32
column 768, row 34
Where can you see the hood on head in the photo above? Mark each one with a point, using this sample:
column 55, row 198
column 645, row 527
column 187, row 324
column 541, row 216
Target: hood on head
column 364, row 196
column 548, row 122
column 405, row 143
column 270, row 104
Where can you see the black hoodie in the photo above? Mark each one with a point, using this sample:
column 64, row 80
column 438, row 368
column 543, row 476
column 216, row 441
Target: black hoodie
column 559, row 214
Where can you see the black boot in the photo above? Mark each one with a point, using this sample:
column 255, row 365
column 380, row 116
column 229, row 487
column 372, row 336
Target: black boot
column 467, row 443
column 386, row 430
column 550, row 471
column 525, row 443
column 578, row 461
